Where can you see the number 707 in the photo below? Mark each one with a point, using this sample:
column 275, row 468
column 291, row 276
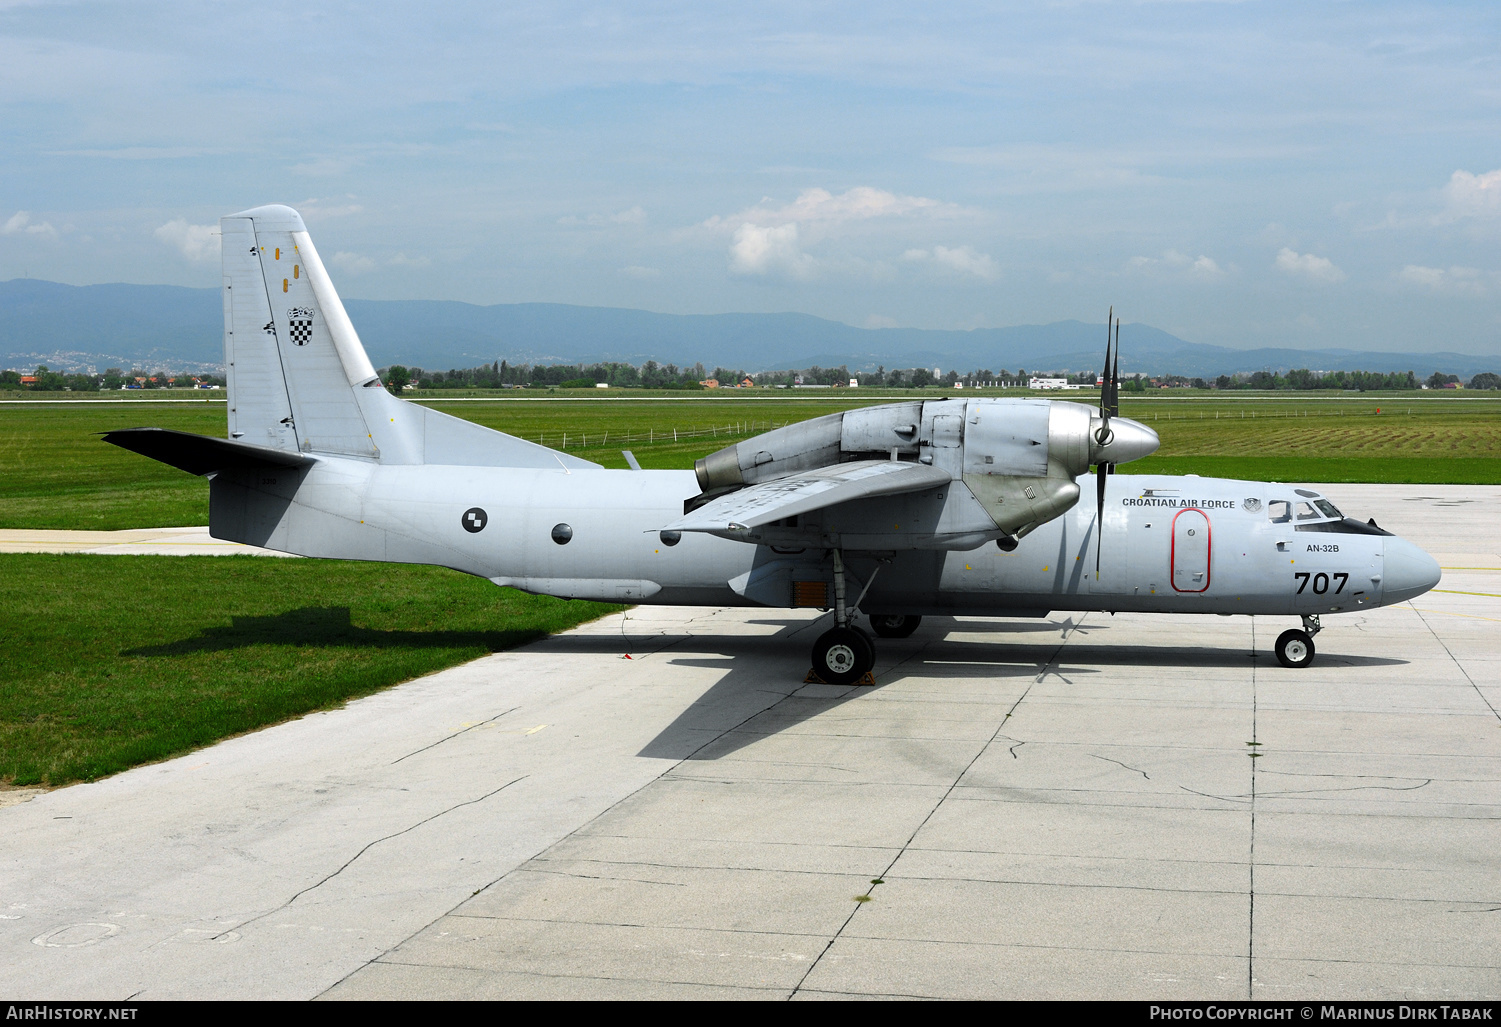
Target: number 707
column 1321, row 581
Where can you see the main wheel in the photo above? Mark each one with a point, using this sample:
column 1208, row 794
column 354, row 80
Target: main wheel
column 842, row 655
column 1294, row 648
column 890, row 625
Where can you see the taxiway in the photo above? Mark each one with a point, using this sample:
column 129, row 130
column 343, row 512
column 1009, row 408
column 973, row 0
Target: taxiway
column 1135, row 806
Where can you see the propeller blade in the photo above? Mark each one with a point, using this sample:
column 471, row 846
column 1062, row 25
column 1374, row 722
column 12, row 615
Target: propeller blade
column 1115, row 375
column 1105, row 371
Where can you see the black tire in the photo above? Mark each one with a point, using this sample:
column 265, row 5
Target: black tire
column 1295, row 648
column 841, row 656
column 891, row 625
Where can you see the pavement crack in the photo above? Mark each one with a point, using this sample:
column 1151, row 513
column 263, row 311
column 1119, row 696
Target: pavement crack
column 456, row 734
column 367, row 847
column 1488, row 704
column 1118, row 763
column 601, row 877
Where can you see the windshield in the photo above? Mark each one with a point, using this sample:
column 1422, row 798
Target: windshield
column 1315, row 508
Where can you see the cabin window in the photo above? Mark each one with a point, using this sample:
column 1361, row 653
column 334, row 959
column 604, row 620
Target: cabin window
column 1327, row 508
column 1307, row 512
column 1280, row 511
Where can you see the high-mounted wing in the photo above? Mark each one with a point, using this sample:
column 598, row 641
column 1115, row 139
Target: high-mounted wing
column 801, row 493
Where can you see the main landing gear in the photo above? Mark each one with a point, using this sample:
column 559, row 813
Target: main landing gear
column 844, row 654
column 1294, row 647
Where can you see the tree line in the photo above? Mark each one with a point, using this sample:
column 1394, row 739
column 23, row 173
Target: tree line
column 44, row 380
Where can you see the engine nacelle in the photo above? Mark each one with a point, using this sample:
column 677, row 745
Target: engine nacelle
column 1018, row 457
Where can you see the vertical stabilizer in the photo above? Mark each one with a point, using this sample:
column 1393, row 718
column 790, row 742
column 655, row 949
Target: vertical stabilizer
column 293, row 358
column 299, row 378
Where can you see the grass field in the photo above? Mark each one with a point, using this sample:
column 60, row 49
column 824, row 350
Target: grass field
column 55, row 473
column 89, row 686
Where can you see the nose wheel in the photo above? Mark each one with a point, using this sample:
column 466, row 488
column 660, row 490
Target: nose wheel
column 1295, row 648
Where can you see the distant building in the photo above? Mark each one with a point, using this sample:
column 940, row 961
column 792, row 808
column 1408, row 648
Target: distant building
column 1050, row 383
column 710, row 383
column 854, row 383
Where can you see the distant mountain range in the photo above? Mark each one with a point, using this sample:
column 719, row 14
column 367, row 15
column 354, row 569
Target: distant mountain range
column 73, row 328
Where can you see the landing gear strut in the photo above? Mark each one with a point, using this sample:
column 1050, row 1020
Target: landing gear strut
column 1294, row 647
column 843, row 654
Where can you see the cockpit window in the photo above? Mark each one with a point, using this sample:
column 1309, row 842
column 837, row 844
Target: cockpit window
column 1327, row 508
column 1280, row 511
column 1307, row 513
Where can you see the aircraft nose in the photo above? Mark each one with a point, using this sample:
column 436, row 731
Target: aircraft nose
column 1132, row 441
column 1409, row 572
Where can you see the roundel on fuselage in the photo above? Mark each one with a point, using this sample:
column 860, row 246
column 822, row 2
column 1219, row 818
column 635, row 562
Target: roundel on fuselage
column 474, row 520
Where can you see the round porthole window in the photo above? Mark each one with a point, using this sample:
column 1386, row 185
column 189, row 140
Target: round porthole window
column 671, row 538
column 1190, row 531
column 561, row 533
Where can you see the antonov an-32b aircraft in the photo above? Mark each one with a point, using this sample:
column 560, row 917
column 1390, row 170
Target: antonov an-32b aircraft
column 931, row 507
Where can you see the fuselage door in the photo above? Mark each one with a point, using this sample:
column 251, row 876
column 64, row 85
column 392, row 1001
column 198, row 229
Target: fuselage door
column 1190, row 551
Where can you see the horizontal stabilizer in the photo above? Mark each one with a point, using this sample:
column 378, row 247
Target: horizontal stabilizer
column 200, row 454
column 801, row 493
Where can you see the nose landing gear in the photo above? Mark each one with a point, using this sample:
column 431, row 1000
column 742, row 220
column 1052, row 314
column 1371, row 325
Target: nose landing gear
column 1295, row 648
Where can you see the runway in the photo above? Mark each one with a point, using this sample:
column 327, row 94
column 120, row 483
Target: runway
column 1139, row 806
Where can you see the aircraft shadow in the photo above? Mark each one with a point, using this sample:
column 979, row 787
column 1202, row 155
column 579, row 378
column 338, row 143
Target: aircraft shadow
column 743, row 706
column 329, row 626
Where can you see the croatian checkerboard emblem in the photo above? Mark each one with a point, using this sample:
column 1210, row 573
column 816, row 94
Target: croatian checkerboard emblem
column 474, row 520
column 300, row 325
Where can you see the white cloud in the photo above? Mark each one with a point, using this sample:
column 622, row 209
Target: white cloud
column 199, row 243
column 637, row 271
column 763, row 249
column 964, row 259
column 334, row 207
column 20, row 224
column 1306, row 265
column 1452, row 281
column 819, row 206
column 353, row 263
column 1203, row 268
column 1474, row 195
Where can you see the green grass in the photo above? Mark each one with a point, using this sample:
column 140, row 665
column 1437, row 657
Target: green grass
column 89, row 686
column 55, row 473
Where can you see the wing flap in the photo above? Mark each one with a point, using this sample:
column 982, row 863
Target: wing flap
column 806, row 491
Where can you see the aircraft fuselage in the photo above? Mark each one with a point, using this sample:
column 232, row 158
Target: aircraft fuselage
column 1171, row 544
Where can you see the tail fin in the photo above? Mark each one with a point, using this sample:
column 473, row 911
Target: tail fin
column 300, row 380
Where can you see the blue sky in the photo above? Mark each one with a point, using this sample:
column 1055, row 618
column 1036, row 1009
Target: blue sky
column 1244, row 174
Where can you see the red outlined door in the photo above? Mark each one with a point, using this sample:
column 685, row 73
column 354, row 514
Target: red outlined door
column 1191, row 551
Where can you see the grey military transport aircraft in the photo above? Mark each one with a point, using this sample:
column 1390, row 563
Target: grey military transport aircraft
column 897, row 511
